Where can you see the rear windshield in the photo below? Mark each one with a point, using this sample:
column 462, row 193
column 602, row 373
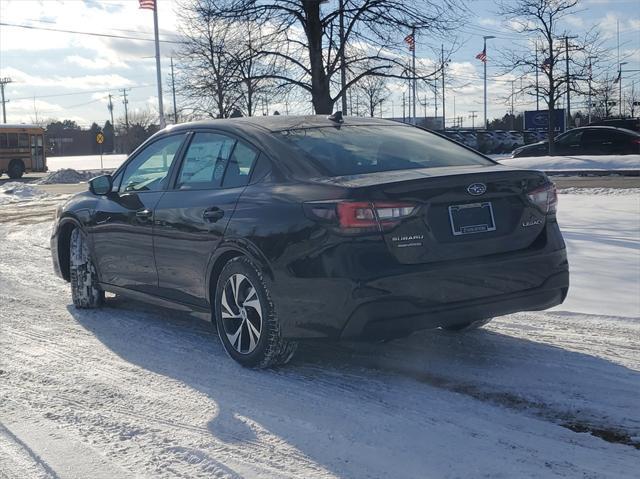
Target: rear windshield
column 351, row 150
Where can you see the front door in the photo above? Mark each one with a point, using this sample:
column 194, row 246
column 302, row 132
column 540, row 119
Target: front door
column 37, row 153
column 191, row 219
column 122, row 224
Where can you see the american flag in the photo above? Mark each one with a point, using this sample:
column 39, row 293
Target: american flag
column 482, row 56
column 148, row 4
column 411, row 41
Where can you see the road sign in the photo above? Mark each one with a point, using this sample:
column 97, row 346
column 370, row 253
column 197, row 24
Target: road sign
column 100, row 138
column 538, row 120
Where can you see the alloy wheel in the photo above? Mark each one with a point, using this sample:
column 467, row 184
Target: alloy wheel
column 241, row 313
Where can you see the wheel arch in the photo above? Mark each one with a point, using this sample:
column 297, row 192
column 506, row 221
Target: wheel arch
column 227, row 251
column 65, row 228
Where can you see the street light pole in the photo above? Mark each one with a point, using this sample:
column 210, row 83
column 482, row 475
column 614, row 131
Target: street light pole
column 485, row 38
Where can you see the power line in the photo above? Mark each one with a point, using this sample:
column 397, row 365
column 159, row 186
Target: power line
column 76, row 32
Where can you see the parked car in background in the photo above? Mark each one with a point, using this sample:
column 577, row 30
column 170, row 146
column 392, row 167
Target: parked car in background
column 590, row 140
column 632, row 124
column 286, row 228
column 517, row 138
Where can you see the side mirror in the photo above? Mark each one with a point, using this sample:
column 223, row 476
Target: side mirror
column 101, row 185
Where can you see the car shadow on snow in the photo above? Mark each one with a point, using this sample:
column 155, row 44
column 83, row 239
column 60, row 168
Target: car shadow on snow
column 580, row 392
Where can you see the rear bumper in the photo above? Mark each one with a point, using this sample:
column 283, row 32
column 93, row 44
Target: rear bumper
column 386, row 318
column 422, row 297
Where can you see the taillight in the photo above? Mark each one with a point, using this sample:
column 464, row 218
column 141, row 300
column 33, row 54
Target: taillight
column 360, row 216
column 545, row 198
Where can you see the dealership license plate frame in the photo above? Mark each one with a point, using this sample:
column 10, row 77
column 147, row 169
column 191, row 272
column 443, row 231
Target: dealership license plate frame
column 465, row 229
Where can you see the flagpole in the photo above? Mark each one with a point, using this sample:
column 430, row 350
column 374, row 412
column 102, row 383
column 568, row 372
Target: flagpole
column 158, row 71
column 413, row 33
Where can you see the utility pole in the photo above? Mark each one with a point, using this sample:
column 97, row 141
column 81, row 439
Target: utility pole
column 473, row 117
column 403, row 103
column 113, row 126
column 537, row 89
column 3, row 82
column 568, row 80
column 589, row 79
column 173, row 91
column 413, row 70
column 444, row 115
column 620, row 88
column 125, row 102
column 343, row 65
column 484, row 50
column 513, row 94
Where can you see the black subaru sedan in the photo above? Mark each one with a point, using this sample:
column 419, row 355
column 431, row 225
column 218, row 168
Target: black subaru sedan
column 293, row 228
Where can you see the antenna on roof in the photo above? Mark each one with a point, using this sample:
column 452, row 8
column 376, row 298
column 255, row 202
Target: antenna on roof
column 337, row 117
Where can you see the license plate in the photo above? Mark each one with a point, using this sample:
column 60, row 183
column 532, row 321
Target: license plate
column 472, row 218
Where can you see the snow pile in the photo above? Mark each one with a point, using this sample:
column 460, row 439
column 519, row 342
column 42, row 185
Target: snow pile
column 600, row 191
column 572, row 163
column 14, row 191
column 68, row 175
column 88, row 162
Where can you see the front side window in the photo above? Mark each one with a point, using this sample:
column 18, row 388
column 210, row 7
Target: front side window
column 351, row 150
column 3, row 140
column 205, row 161
column 150, row 168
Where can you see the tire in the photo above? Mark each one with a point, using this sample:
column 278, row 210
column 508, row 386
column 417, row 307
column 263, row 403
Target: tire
column 85, row 291
column 246, row 318
column 462, row 328
column 15, row 170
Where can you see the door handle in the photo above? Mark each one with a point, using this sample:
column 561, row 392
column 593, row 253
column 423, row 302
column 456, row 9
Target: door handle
column 212, row 214
column 144, row 214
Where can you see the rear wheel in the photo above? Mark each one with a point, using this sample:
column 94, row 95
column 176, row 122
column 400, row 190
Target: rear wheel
column 85, row 291
column 16, row 169
column 246, row 318
column 461, row 328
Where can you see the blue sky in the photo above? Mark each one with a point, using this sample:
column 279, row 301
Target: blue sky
column 61, row 75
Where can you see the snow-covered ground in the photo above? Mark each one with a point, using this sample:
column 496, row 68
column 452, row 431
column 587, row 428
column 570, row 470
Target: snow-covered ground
column 575, row 163
column 133, row 391
column 88, row 162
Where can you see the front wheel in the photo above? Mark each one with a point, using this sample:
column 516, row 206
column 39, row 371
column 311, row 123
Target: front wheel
column 85, row 291
column 246, row 318
column 464, row 327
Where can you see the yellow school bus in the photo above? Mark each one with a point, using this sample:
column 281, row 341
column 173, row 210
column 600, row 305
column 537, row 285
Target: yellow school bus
column 21, row 150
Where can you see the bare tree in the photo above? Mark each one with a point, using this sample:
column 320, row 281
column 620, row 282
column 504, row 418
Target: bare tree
column 207, row 71
column 311, row 53
column 374, row 90
column 542, row 18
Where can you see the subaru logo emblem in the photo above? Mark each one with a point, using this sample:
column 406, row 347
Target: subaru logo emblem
column 477, row 189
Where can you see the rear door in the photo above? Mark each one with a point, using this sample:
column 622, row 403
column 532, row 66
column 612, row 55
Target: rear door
column 191, row 218
column 570, row 143
column 121, row 230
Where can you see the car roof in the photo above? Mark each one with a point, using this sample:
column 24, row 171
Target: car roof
column 276, row 123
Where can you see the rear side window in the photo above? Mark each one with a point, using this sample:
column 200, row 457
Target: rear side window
column 3, row 140
column 205, row 161
column 240, row 164
column 350, row 150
